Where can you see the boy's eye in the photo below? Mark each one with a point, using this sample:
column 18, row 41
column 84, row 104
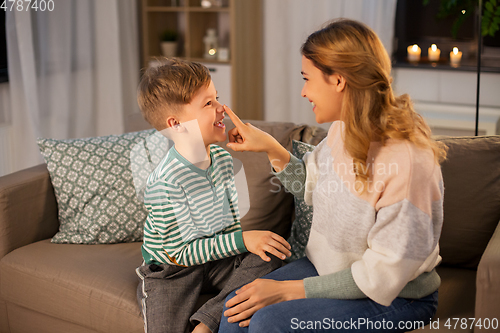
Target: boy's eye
column 305, row 79
column 210, row 102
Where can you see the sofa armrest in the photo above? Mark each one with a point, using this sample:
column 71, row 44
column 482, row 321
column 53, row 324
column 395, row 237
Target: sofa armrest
column 488, row 281
column 28, row 208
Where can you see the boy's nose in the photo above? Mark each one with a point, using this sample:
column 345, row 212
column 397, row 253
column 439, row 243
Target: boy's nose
column 220, row 108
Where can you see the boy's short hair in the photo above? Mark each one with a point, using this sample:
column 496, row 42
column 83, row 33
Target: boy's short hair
column 165, row 89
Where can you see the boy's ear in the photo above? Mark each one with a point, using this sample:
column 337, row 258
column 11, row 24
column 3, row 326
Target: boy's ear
column 173, row 122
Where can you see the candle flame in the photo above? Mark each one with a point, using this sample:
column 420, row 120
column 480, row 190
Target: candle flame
column 455, row 50
column 415, row 48
column 434, row 47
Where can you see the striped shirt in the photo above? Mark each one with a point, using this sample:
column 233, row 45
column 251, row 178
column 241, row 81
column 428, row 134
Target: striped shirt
column 193, row 214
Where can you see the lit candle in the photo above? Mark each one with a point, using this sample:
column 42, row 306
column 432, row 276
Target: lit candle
column 455, row 57
column 434, row 53
column 414, row 53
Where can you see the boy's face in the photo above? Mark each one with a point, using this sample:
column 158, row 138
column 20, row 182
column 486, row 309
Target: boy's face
column 208, row 112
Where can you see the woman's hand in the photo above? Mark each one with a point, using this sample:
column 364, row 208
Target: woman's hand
column 258, row 294
column 246, row 137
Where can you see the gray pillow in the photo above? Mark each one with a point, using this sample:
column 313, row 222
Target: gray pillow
column 301, row 226
column 98, row 194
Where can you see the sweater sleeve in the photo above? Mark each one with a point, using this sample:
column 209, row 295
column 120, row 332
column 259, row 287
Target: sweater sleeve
column 170, row 219
column 299, row 177
column 293, row 176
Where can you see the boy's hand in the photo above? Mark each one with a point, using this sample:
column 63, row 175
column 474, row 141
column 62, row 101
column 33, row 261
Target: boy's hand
column 260, row 241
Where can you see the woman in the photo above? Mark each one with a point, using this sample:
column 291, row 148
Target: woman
column 377, row 194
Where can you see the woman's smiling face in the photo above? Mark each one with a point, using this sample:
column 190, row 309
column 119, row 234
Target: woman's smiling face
column 324, row 92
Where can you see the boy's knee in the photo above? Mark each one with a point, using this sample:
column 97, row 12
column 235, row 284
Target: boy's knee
column 228, row 297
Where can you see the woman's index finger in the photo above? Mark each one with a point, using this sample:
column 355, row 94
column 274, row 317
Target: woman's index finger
column 236, row 120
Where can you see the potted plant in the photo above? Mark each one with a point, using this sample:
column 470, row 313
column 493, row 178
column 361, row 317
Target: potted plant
column 168, row 43
column 462, row 9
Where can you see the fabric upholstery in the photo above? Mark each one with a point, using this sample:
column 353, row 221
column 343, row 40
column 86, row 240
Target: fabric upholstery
column 471, row 198
column 20, row 226
column 488, row 275
column 301, row 226
column 94, row 185
column 87, row 285
column 271, row 208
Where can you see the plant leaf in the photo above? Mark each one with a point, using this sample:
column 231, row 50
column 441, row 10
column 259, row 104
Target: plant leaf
column 492, row 31
column 489, row 7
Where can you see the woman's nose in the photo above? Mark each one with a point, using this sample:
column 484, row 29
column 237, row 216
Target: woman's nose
column 303, row 91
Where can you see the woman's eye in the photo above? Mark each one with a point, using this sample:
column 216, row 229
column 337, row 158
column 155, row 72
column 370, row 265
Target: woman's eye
column 305, row 79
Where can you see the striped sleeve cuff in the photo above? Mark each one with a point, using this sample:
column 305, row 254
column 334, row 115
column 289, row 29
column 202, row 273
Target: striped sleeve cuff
column 338, row 285
column 240, row 244
column 293, row 176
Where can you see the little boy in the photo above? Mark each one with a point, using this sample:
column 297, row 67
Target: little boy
column 193, row 242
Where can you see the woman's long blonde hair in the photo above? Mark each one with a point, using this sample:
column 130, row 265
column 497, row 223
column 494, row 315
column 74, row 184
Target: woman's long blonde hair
column 370, row 110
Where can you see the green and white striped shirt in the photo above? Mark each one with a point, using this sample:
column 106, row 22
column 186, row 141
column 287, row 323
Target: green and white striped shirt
column 193, row 213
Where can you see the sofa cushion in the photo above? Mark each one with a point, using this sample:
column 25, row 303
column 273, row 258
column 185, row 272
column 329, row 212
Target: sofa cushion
column 471, row 177
column 301, row 226
column 94, row 185
column 92, row 286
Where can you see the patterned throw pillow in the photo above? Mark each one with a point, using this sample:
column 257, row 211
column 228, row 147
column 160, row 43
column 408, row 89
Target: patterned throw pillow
column 97, row 191
column 301, row 226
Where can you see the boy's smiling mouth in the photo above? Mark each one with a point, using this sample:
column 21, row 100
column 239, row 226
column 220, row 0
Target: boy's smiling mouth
column 219, row 124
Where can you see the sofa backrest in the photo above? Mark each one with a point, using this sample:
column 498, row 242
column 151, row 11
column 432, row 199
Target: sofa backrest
column 471, row 177
column 271, row 207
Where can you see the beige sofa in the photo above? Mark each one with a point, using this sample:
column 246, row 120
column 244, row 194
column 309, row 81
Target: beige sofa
column 46, row 287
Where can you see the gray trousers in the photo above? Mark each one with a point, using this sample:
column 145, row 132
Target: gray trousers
column 168, row 294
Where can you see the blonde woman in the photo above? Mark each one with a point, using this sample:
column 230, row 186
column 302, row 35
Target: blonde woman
column 376, row 189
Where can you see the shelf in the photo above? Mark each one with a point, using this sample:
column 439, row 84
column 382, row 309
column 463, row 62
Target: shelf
column 239, row 29
column 165, row 9
column 187, row 9
column 209, row 61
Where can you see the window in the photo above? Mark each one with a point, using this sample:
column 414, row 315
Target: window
column 4, row 75
column 417, row 23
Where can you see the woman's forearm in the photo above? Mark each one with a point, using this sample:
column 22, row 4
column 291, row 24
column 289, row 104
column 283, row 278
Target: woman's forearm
column 278, row 156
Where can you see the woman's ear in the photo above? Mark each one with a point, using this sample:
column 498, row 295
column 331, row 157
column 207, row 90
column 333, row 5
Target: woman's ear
column 339, row 81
